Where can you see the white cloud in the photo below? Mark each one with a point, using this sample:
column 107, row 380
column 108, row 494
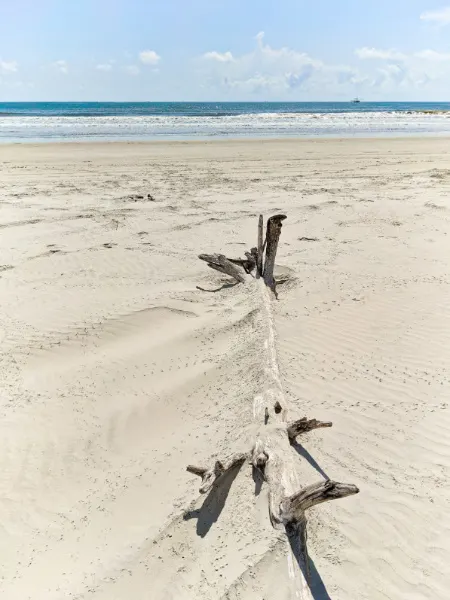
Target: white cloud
column 395, row 73
column 256, row 84
column 440, row 16
column 132, row 70
column 106, row 67
column 149, row 57
column 260, row 38
column 61, row 66
column 274, row 72
column 7, row 67
column 433, row 55
column 407, row 71
column 375, row 53
column 297, row 79
column 284, row 73
column 219, row 57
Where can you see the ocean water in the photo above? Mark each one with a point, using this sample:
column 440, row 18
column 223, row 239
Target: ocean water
column 103, row 121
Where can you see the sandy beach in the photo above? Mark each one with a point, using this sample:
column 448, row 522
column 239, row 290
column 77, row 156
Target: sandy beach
column 116, row 371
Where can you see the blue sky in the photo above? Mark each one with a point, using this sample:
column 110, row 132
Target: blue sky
column 224, row 50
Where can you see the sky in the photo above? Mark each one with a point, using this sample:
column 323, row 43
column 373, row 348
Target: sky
column 224, row 50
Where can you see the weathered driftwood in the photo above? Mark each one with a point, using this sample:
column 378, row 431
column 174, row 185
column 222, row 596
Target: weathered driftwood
column 291, row 492
column 260, row 251
column 249, row 263
column 294, row 507
column 221, row 263
column 210, row 476
column 273, row 233
column 303, row 426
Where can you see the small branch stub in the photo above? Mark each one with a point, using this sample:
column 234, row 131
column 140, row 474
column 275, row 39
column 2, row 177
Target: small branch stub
column 249, row 263
column 210, row 476
column 303, row 426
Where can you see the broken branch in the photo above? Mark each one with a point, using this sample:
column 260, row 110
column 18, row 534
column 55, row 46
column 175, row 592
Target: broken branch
column 220, row 263
column 294, row 507
column 303, row 426
column 210, row 476
column 273, row 233
column 249, row 263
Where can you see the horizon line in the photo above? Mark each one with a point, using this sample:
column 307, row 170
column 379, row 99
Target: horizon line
column 363, row 101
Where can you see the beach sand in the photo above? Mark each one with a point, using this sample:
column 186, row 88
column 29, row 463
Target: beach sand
column 116, row 372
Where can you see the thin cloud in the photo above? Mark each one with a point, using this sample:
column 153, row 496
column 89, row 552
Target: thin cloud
column 7, row 67
column 149, row 57
column 132, row 70
column 375, row 53
column 259, row 37
column 433, row 55
column 61, row 66
column 219, row 57
column 440, row 16
column 104, row 68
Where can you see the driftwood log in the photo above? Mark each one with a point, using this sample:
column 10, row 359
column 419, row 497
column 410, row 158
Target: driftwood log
column 272, row 456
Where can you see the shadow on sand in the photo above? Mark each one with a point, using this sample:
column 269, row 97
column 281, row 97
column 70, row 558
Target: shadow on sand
column 311, row 574
column 307, row 456
column 309, row 571
column 210, row 511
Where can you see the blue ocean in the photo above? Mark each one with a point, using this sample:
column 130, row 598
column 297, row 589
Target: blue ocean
column 104, row 121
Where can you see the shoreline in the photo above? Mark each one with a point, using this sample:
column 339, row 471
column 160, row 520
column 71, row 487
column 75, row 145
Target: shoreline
column 414, row 137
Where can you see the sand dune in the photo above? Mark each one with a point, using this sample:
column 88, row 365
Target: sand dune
column 117, row 371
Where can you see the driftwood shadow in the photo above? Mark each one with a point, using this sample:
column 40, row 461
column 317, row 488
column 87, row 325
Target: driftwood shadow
column 317, row 586
column 210, row 511
column 310, row 573
column 258, row 479
column 303, row 452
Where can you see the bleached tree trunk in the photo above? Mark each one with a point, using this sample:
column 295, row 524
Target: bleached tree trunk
column 291, row 492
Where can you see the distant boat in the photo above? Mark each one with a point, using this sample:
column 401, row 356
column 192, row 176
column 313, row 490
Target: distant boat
column 356, row 100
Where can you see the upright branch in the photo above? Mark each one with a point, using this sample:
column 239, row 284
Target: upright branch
column 273, row 233
column 260, row 251
column 260, row 259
